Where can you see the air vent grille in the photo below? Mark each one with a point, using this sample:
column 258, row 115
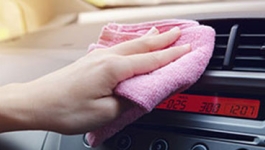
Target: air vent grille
column 247, row 54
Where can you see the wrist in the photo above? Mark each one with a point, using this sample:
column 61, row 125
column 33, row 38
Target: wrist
column 15, row 108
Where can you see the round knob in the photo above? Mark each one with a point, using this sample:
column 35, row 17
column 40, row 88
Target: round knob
column 124, row 142
column 199, row 147
column 85, row 142
column 159, row 144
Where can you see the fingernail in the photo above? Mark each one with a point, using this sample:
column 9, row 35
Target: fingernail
column 186, row 47
column 152, row 31
column 175, row 29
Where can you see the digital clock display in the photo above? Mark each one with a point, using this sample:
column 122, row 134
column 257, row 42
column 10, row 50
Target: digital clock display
column 214, row 105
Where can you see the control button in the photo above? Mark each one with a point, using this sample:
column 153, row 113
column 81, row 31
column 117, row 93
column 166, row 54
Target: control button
column 124, row 142
column 159, row 144
column 85, row 141
column 199, row 147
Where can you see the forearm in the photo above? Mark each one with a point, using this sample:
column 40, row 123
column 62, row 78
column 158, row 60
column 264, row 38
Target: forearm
column 15, row 112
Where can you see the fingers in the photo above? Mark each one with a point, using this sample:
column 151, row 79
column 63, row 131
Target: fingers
column 148, row 43
column 144, row 63
column 152, row 31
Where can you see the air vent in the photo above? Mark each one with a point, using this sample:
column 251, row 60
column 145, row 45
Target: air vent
column 240, row 44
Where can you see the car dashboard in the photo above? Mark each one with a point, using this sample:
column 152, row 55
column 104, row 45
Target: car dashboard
column 236, row 71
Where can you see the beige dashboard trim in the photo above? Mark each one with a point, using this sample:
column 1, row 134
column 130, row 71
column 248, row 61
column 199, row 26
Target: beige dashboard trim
column 136, row 14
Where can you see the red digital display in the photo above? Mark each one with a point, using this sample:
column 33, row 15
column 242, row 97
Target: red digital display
column 237, row 107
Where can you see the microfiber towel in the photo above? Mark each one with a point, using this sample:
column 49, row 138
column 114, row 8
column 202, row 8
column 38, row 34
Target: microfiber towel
column 148, row 90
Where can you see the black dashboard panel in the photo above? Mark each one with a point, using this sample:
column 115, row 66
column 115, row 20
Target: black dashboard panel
column 235, row 69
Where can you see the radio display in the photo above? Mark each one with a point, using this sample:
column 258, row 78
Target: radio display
column 214, row 105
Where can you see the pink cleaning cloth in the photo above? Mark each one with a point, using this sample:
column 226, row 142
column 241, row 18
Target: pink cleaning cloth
column 148, row 90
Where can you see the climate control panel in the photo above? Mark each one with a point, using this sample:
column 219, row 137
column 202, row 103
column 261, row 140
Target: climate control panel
column 137, row 138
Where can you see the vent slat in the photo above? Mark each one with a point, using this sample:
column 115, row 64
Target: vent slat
column 250, row 47
column 218, row 57
column 250, row 58
column 249, row 52
column 249, row 69
column 222, row 35
column 253, row 35
column 220, row 46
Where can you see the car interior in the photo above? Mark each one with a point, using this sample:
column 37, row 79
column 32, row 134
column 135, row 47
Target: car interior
column 52, row 34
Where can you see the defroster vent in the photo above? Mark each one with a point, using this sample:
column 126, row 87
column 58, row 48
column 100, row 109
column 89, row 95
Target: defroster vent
column 239, row 46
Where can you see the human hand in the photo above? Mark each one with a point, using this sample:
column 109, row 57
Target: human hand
column 79, row 98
